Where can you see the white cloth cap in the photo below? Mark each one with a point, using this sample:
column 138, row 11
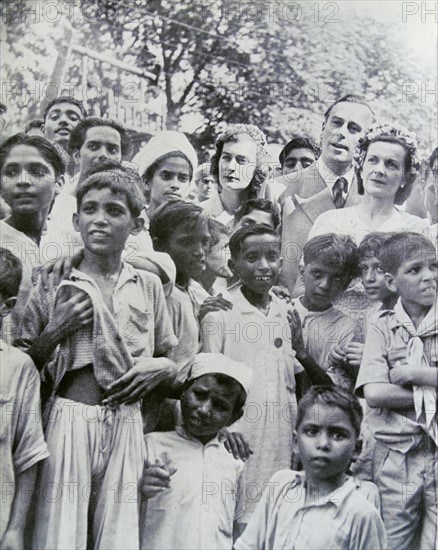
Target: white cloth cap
column 161, row 144
column 211, row 363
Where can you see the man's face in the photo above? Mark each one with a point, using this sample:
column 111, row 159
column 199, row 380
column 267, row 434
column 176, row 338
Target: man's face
column 60, row 121
column 254, row 217
column 346, row 123
column 298, row 159
column 101, row 143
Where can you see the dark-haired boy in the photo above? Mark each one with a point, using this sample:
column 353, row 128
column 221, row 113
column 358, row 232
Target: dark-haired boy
column 101, row 338
column 61, row 115
column 321, row 507
column 22, row 443
column 399, row 378
column 192, row 484
column 329, row 264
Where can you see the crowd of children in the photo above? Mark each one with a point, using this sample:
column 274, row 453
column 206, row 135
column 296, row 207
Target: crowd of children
column 161, row 389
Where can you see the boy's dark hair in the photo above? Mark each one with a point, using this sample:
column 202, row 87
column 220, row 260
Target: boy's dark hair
column 331, row 396
column 400, row 248
column 216, row 229
column 299, row 143
column 150, row 171
column 34, row 123
column 48, row 151
column 263, row 205
column 432, row 157
column 11, row 271
column 239, row 237
column 118, row 179
column 79, row 132
column 232, row 386
column 65, row 99
column 333, row 250
column 171, row 216
column 371, row 245
column 349, row 98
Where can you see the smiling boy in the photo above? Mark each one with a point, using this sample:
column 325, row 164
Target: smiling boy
column 320, row 508
column 399, row 379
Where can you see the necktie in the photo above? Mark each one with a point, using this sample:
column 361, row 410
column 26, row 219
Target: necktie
column 340, row 187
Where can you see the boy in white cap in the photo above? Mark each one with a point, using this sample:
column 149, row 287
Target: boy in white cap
column 191, row 484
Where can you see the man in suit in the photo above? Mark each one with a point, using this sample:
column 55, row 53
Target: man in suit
column 327, row 184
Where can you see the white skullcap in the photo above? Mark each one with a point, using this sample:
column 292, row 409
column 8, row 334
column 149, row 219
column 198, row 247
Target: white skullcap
column 212, row 363
column 163, row 143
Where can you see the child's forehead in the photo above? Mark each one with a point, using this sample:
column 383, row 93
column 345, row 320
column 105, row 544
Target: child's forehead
column 325, row 265
column 105, row 194
column 262, row 240
column 324, row 414
column 210, row 383
column 369, row 258
column 421, row 255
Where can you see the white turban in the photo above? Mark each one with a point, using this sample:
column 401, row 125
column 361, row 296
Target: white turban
column 212, row 363
column 163, row 143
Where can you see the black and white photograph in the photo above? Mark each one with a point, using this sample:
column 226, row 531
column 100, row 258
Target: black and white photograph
column 218, row 275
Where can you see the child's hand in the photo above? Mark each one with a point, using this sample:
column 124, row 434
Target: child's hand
column 281, row 292
column 213, row 303
column 60, row 269
column 144, row 376
column 236, row 444
column 402, row 375
column 156, row 478
column 296, row 331
column 354, row 352
column 71, row 312
column 337, row 356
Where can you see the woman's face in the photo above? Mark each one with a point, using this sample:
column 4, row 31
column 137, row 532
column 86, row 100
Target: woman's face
column 383, row 171
column 237, row 163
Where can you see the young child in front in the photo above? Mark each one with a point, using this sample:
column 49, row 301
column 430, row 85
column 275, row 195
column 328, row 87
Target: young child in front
column 329, row 264
column 399, row 377
column 256, row 331
column 101, row 338
column 321, row 507
column 193, row 486
column 22, row 443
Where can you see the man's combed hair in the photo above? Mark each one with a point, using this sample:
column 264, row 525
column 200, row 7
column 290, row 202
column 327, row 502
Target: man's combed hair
column 118, row 179
column 348, row 98
column 239, row 237
column 264, row 205
column 333, row 250
column 329, row 397
column 171, row 216
column 48, row 151
column 371, row 244
column 65, row 99
column 401, row 247
column 79, row 132
column 11, row 271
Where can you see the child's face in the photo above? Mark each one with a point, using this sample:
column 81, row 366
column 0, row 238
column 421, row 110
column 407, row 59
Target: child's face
column 105, row 221
column 188, row 249
column 171, row 181
column 258, row 263
column 28, row 182
column 373, row 278
column 326, row 442
column 217, row 258
column 322, row 284
column 416, row 279
column 206, row 407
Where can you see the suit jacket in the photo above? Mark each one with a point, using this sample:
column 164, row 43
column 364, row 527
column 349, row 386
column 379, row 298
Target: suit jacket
column 311, row 198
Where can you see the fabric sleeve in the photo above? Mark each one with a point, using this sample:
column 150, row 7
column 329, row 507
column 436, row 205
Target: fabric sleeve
column 36, row 315
column 367, row 530
column 374, row 367
column 29, row 446
column 165, row 338
column 212, row 333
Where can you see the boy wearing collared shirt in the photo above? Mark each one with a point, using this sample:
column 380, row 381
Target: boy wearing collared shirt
column 321, row 507
column 101, row 339
column 193, row 486
column 399, row 378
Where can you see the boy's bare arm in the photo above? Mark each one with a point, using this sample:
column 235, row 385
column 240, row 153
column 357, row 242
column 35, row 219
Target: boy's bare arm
column 388, row 396
column 69, row 314
column 406, row 375
column 24, row 487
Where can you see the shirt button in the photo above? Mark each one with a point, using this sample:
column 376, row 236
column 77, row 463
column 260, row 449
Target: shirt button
column 278, row 342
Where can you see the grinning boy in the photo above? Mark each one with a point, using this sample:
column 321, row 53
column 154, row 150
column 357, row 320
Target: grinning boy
column 22, row 443
column 101, row 338
column 322, row 507
column 193, row 486
column 399, row 378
